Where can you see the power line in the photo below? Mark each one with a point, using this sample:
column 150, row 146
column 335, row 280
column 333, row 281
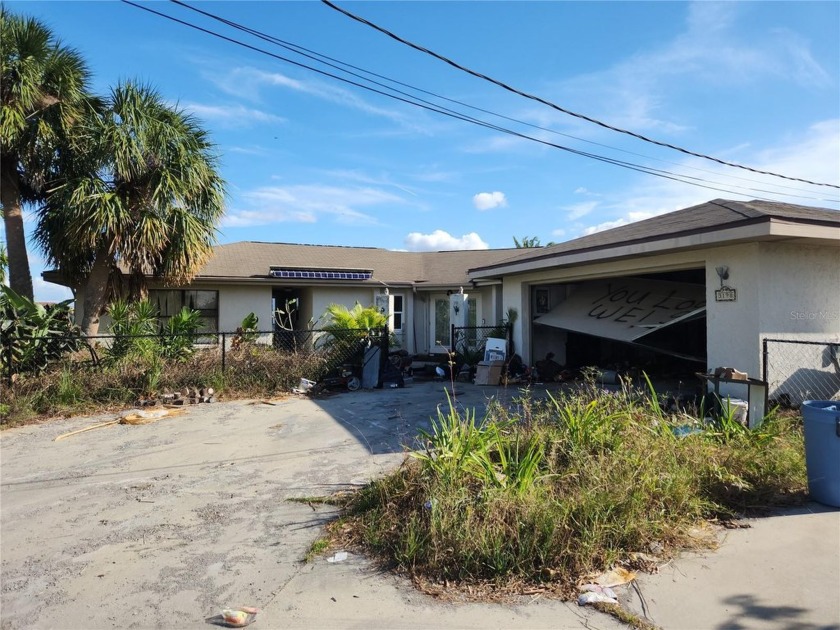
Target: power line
column 341, row 65
column 558, row 107
column 451, row 113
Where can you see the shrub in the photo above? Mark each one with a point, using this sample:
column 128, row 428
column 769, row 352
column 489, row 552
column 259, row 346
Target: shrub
column 34, row 335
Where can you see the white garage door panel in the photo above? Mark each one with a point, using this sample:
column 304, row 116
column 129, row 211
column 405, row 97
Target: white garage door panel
column 626, row 309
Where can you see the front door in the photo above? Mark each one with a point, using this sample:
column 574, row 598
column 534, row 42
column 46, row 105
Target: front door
column 441, row 325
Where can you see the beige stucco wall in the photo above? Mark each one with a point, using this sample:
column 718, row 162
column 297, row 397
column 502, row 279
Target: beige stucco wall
column 732, row 328
column 235, row 302
column 784, row 291
column 800, row 291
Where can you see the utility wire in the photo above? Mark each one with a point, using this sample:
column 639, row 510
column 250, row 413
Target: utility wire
column 628, row 165
column 341, row 66
column 558, row 107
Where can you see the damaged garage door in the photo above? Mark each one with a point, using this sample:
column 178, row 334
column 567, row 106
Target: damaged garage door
column 626, row 309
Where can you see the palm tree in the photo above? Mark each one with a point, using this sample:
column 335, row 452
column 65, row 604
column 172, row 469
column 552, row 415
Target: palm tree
column 4, row 262
column 43, row 85
column 144, row 199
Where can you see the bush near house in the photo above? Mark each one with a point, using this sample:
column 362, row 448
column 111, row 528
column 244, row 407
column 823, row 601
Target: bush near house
column 554, row 491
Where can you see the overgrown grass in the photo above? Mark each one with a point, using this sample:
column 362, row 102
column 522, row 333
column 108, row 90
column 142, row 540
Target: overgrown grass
column 567, row 487
column 76, row 386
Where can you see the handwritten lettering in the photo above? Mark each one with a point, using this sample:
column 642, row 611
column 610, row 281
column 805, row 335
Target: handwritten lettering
column 625, row 304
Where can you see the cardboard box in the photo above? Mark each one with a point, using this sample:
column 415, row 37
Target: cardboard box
column 489, row 372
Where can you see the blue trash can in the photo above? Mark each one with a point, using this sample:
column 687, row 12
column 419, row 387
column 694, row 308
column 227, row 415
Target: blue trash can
column 822, row 449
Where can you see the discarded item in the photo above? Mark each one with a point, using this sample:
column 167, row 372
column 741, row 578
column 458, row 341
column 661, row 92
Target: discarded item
column 340, row 556
column 90, row 428
column 235, row 618
column 597, row 588
column 736, row 409
column 488, row 372
column 135, row 416
column 305, row 384
column 730, row 373
column 615, row 577
column 682, row 430
column 595, row 598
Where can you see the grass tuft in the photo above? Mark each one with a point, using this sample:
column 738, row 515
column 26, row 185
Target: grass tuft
column 579, row 484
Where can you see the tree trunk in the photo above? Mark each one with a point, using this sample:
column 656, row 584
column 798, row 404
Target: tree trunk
column 20, row 278
column 94, row 291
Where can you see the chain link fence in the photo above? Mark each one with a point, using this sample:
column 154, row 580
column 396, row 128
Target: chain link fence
column 471, row 340
column 797, row 371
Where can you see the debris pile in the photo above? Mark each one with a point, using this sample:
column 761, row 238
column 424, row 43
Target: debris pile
column 185, row 396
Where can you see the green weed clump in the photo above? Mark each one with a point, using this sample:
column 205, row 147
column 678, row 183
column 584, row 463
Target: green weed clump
column 76, row 386
column 567, row 486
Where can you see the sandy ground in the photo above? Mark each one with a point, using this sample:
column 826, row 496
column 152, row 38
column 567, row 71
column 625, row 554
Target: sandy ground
column 162, row 525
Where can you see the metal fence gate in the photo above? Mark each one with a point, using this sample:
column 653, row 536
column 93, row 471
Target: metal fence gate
column 472, row 339
column 797, row 371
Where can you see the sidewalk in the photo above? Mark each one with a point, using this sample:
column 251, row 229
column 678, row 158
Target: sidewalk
column 781, row 573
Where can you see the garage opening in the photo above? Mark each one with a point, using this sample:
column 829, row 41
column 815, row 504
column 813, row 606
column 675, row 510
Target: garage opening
column 654, row 323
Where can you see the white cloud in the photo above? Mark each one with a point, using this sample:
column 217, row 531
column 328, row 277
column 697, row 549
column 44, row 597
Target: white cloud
column 630, row 217
column 489, row 200
column 440, row 240
column 578, row 210
column 307, row 203
column 236, row 116
column 711, row 53
column 813, row 153
column 251, row 81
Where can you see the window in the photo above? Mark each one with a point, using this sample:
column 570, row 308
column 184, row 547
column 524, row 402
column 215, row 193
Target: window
column 397, row 313
column 170, row 302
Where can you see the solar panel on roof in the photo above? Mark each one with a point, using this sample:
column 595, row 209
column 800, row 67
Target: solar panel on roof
column 307, row 274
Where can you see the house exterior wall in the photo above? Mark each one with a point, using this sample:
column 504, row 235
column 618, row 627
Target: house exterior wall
column 784, row 291
column 732, row 328
column 235, row 302
column 800, row 292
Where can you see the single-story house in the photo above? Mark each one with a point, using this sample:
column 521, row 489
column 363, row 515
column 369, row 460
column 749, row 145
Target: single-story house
column 701, row 287
column 414, row 287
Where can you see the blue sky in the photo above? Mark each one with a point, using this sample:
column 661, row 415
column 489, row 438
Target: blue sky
column 311, row 160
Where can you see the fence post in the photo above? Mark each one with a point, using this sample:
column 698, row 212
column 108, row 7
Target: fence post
column 452, row 338
column 383, row 356
column 764, row 360
column 224, row 351
column 9, row 352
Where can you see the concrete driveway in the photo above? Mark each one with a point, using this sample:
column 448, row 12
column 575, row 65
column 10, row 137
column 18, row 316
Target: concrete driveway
column 162, row 525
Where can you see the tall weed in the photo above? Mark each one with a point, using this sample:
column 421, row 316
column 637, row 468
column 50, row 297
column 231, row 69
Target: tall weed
column 583, row 481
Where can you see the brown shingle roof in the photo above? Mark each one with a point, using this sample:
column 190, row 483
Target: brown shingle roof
column 706, row 217
column 250, row 259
